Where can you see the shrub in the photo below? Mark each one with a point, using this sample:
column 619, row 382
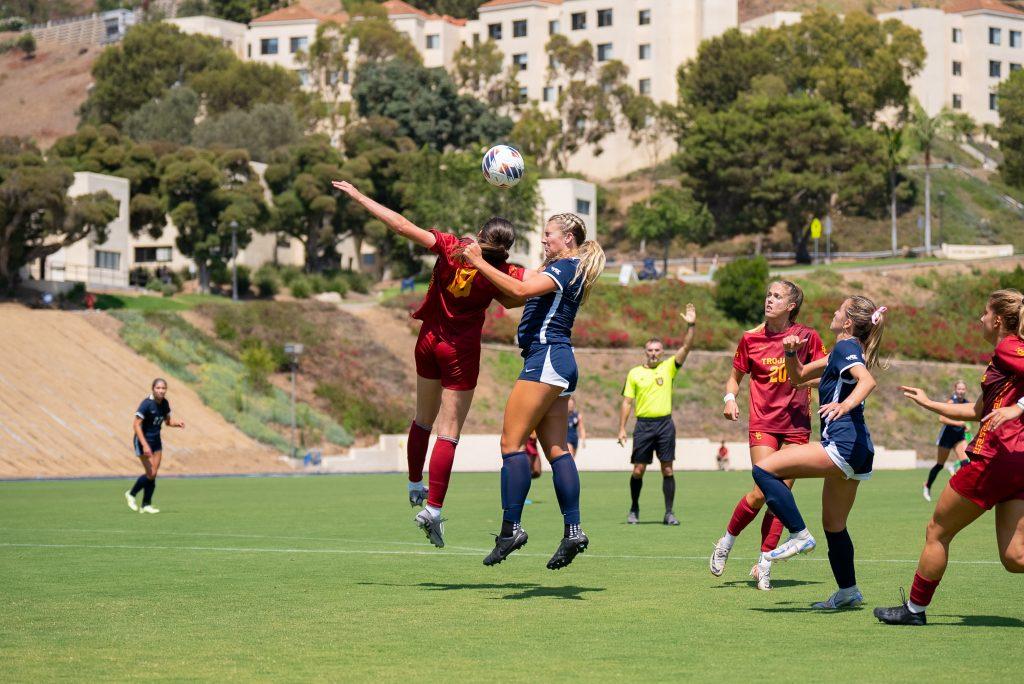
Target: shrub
column 268, row 283
column 169, row 290
column 259, row 364
column 1014, row 279
column 223, row 328
column 154, row 285
column 740, row 287
column 359, row 413
column 301, row 287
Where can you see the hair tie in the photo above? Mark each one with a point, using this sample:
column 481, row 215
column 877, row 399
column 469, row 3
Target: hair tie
column 876, row 317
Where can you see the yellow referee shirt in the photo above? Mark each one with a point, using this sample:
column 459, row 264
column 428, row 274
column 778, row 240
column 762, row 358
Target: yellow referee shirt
column 651, row 388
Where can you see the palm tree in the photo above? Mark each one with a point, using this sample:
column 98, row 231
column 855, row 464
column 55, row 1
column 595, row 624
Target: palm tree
column 925, row 131
column 896, row 155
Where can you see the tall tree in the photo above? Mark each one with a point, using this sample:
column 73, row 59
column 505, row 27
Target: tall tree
column 1010, row 133
column 328, row 64
column 669, row 214
column 896, row 155
column 925, row 131
column 478, row 70
column 259, row 130
column 170, row 118
column 37, row 217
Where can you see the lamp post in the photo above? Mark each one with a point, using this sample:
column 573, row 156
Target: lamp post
column 942, row 204
column 294, row 350
column 234, row 261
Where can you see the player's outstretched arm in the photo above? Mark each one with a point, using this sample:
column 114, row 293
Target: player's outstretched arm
column 948, row 421
column 510, row 302
column 954, row 411
column 865, row 385
column 391, row 219
column 798, row 371
column 690, row 316
column 533, row 285
column 732, row 386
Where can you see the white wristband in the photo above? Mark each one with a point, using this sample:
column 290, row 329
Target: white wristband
column 729, row 397
column 1020, row 403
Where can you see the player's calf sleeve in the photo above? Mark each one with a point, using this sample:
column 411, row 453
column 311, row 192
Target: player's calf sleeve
column 515, row 472
column 922, row 590
column 147, row 492
column 934, row 473
column 441, row 459
column 840, row 557
column 780, row 499
column 416, row 450
column 566, row 479
column 771, row 531
column 668, row 489
column 139, row 485
column 635, row 485
column 742, row 516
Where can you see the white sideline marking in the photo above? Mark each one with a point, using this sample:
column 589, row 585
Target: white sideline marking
column 436, row 554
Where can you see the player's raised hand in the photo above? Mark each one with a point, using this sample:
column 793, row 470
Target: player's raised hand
column 791, row 343
column 915, row 394
column 1002, row 415
column 346, row 187
column 690, row 315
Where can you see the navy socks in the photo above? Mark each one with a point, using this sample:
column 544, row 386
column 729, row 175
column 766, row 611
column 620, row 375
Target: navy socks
column 780, row 499
column 934, row 473
column 515, row 485
column 139, row 485
column 147, row 491
column 840, row 557
column 567, row 488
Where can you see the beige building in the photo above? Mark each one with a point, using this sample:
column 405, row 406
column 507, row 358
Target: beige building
column 772, row 20
column 230, row 33
column 973, row 45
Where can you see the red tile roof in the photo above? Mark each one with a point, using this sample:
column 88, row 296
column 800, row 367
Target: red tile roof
column 300, row 12
column 399, row 8
column 499, row 3
column 962, row 6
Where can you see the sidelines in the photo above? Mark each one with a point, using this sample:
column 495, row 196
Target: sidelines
column 435, row 554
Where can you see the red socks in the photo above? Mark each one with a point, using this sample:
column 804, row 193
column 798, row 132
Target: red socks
column 742, row 515
column 416, row 450
column 771, row 531
column 922, row 590
column 441, row 459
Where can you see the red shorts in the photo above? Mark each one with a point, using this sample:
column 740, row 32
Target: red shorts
column 437, row 359
column 775, row 440
column 989, row 480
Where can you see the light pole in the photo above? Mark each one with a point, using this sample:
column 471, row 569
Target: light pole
column 234, row 261
column 294, row 350
column 942, row 204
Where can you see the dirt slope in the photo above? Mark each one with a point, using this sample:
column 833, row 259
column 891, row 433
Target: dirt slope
column 67, row 395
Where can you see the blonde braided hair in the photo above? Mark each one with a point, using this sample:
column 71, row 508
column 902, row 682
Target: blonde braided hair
column 589, row 253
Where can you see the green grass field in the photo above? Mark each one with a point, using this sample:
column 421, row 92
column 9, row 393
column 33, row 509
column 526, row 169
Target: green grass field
column 325, row 578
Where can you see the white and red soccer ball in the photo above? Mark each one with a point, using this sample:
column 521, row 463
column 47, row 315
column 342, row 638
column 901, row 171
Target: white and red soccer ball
column 503, row 166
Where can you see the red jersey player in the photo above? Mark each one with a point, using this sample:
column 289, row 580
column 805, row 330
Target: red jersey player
column 779, row 413
column 995, row 475
column 448, row 347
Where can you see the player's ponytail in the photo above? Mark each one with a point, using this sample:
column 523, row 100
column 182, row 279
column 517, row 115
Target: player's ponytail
column 496, row 239
column 589, row 253
column 868, row 326
column 1008, row 304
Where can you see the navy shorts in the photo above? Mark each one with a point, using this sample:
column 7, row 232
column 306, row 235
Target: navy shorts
column 155, row 445
column 654, row 435
column 951, row 436
column 849, row 446
column 552, row 364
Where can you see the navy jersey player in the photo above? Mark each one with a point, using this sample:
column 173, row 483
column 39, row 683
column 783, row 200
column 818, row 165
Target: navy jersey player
column 845, row 454
column 153, row 413
column 953, row 435
column 540, row 398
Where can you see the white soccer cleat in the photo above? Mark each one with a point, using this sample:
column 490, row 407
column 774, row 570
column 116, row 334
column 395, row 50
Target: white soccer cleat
column 762, row 574
column 797, row 543
column 844, row 598
column 149, row 509
column 131, row 501
column 431, row 526
column 719, row 558
column 926, row 493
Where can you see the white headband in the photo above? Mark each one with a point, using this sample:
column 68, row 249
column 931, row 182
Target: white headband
column 876, row 317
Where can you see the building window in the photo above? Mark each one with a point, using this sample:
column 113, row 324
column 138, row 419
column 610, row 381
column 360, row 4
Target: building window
column 604, row 52
column 519, row 28
column 494, row 31
column 958, row 35
column 993, row 102
column 958, row 101
column 1015, row 39
column 522, row 96
column 579, row 21
column 303, row 76
column 297, row 43
column 644, row 17
column 109, row 260
column 333, row 77
column 152, row 254
column 645, row 51
column 433, row 41
column 520, row 61
column 958, row 69
column 645, row 86
column 548, row 94
column 268, row 46
column 995, row 69
column 554, row 26
column 582, row 206
column 476, row 39
column 248, row 51
column 604, row 17
column 1014, row 67
column 995, row 36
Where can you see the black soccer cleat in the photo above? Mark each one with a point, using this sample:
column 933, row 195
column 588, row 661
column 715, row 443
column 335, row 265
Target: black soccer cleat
column 900, row 615
column 504, row 546
column 567, row 551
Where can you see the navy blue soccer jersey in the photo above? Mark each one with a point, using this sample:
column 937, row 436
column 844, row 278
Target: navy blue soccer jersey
column 548, row 319
column 837, row 382
column 153, row 416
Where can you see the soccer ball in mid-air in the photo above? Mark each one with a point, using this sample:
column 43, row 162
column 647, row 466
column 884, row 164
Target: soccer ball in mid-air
column 503, row 166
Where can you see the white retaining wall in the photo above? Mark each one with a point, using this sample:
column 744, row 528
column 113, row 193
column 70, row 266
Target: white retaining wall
column 481, row 453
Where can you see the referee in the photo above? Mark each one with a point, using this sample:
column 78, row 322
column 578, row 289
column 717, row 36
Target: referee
column 650, row 386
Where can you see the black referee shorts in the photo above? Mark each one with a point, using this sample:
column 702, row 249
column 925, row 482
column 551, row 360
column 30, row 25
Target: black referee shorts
column 654, row 435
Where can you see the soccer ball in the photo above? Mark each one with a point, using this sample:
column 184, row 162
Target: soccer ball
column 503, row 166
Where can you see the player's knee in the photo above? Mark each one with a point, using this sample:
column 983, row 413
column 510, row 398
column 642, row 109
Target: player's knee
column 936, row 532
column 639, row 469
column 508, row 446
column 666, row 470
column 1013, row 559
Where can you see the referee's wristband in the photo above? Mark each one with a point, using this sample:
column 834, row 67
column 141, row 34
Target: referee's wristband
column 729, row 397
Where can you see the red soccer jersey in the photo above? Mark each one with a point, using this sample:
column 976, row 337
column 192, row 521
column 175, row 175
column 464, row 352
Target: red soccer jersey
column 775, row 405
column 458, row 296
column 1001, row 385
